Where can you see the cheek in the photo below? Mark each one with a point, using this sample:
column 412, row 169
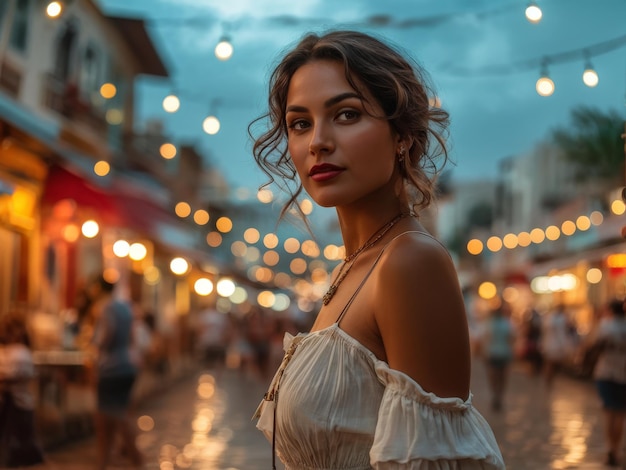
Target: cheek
column 297, row 159
column 376, row 156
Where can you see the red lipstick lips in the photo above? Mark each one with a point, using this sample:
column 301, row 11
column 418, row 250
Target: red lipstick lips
column 324, row 172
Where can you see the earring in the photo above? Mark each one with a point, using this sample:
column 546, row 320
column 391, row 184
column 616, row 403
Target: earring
column 401, row 155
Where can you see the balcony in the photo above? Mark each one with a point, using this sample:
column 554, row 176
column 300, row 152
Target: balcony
column 82, row 118
column 10, row 79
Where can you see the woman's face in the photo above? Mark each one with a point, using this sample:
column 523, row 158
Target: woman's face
column 343, row 153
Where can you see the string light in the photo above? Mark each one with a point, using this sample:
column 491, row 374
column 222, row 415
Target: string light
column 533, row 12
column 590, row 76
column 536, row 235
column 224, row 49
column 545, row 85
column 211, row 124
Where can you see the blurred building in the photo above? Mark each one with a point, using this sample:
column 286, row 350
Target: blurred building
column 551, row 239
column 83, row 192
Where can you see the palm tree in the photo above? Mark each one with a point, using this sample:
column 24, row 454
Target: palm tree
column 593, row 143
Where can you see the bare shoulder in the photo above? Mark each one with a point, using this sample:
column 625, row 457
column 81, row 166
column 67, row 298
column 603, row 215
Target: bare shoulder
column 415, row 252
column 420, row 314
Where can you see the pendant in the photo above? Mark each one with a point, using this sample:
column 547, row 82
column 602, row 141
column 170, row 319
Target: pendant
column 329, row 294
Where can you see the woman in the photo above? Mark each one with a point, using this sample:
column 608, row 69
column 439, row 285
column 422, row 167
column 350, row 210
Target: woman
column 610, row 376
column 382, row 380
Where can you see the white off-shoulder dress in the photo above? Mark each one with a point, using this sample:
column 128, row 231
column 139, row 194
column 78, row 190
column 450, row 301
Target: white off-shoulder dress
column 337, row 406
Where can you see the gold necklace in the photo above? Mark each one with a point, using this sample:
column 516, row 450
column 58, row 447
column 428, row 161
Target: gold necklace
column 351, row 258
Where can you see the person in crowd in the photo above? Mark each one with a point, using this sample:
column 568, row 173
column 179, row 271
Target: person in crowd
column 259, row 330
column 499, row 339
column 382, row 379
column 155, row 358
column 557, row 345
column 610, row 375
column 19, row 445
column 531, row 348
column 116, row 374
column 213, row 330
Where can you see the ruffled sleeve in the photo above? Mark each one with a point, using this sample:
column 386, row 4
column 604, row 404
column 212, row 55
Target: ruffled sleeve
column 417, row 430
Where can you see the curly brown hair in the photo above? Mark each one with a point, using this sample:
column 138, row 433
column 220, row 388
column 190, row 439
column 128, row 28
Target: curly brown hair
column 398, row 84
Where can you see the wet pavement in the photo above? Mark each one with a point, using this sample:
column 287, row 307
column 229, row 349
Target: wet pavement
column 203, row 422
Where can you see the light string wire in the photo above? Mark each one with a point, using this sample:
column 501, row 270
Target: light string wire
column 572, row 55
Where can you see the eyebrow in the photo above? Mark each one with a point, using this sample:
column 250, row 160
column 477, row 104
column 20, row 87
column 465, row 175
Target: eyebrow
column 328, row 103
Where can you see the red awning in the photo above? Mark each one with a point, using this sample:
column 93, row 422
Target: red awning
column 140, row 214
column 62, row 183
column 115, row 206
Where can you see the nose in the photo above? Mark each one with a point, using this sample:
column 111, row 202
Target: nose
column 321, row 140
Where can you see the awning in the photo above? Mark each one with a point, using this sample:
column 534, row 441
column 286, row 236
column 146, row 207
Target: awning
column 566, row 262
column 115, row 206
column 63, row 183
column 26, row 121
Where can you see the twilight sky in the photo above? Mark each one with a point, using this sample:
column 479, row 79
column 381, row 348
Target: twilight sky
column 483, row 56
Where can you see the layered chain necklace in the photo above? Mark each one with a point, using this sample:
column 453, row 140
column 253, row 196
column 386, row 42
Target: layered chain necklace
column 349, row 260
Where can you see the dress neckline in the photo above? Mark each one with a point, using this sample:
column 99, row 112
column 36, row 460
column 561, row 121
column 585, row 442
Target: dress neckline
column 383, row 366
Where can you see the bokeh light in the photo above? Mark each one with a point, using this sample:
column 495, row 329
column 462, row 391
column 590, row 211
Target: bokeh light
column 179, row 266
column 102, row 168
column 90, row 228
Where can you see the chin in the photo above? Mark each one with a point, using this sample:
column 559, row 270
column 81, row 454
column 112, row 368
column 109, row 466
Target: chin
column 325, row 203
column 322, row 198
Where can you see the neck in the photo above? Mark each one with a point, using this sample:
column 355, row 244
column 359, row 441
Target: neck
column 375, row 237
column 357, row 228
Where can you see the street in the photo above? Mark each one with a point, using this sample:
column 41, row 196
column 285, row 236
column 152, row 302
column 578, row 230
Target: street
column 204, row 423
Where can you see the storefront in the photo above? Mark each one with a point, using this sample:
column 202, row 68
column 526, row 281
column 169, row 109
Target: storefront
column 22, row 174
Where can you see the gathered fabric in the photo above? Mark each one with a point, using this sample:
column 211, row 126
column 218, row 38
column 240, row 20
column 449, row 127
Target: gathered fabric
column 340, row 407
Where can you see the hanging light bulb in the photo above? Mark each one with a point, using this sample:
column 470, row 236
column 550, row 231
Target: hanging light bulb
column 544, row 86
column 533, row 12
column 224, row 49
column 211, row 125
column 590, row 76
column 171, row 103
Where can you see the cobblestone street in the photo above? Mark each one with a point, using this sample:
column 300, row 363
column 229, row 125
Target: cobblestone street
column 198, row 425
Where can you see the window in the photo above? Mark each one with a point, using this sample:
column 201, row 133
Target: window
column 64, row 51
column 3, row 11
column 19, row 28
column 89, row 72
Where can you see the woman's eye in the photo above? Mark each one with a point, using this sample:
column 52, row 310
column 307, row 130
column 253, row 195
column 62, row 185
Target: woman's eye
column 348, row 115
column 297, row 125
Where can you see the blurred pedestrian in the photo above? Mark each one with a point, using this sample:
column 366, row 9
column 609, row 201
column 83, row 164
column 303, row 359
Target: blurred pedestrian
column 213, row 330
column 610, row 375
column 116, row 374
column 499, row 339
column 383, row 378
column 259, row 331
column 156, row 356
column 531, row 346
column 19, row 446
column 557, row 346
